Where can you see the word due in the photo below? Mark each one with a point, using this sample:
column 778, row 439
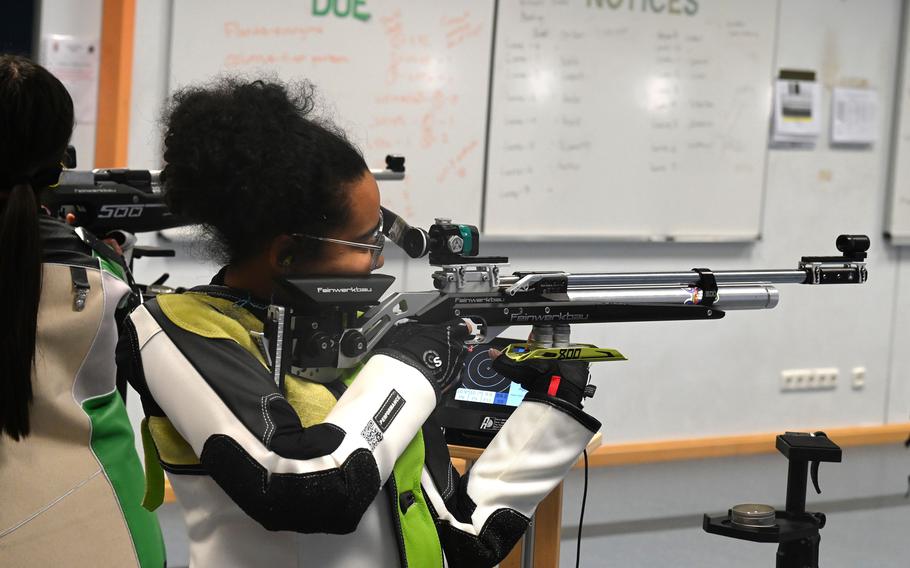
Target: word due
column 342, row 8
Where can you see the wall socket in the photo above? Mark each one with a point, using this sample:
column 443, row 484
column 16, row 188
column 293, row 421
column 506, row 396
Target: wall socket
column 859, row 378
column 808, row 379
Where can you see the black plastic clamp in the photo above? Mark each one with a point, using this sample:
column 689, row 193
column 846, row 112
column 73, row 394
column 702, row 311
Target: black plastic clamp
column 708, row 285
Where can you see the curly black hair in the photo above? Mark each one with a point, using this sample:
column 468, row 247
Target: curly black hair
column 248, row 161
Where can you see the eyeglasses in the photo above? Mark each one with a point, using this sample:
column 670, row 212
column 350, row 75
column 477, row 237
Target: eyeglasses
column 375, row 246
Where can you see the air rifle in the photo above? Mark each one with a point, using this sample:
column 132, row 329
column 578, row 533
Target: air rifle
column 335, row 321
column 105, row 200
column 114, row 204
column 119, row 203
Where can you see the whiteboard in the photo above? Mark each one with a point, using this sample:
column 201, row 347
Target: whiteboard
column 628, row 119
column 399, row 77
column 897, row 212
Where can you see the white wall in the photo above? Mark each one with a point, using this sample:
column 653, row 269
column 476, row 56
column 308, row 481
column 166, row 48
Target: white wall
column 150, row 86
column 77, row 18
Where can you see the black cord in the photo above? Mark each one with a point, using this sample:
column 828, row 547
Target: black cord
column 581, row 517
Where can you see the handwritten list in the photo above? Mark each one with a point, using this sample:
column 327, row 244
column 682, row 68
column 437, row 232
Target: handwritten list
column 632, row 122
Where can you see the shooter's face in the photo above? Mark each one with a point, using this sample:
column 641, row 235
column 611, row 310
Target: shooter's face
column 362, row 227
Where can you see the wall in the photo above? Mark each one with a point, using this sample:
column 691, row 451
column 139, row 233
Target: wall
column 78, row 18
column 700, row 379
column 150, row 67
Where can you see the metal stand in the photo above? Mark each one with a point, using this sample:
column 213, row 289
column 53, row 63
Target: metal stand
column 795, row 529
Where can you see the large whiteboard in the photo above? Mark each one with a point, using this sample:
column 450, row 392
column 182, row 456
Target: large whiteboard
column 627, row 119
column 897, row 211
column 399, row 76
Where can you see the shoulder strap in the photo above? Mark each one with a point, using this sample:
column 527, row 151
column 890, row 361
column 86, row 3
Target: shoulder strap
column 110, row 260
column 81, row 287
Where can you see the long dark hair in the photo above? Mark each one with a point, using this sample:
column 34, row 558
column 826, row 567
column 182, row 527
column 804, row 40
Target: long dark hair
column 36, row 122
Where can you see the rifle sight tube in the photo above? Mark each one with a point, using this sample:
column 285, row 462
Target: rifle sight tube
column 754, row 297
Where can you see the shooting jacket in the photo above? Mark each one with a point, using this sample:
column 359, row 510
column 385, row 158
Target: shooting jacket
column 351, row 473
column 70, row 492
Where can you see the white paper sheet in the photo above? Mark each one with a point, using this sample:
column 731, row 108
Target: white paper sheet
column 75, row 60
column 797, row 106
column 854, row 116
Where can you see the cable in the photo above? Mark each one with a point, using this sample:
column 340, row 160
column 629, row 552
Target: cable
column 581, row 517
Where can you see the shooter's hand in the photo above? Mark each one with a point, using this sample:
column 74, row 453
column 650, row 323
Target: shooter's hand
column 565, row 380
column 70, row 219
column 437, row 351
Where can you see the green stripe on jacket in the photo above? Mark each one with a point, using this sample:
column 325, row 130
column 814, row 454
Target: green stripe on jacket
column 421, row 541
column 112, row 442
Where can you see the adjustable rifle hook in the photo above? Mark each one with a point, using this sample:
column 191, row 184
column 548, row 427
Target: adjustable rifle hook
column 815, row 464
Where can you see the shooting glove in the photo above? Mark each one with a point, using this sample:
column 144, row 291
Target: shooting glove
column 565, row 380
column 437, row 351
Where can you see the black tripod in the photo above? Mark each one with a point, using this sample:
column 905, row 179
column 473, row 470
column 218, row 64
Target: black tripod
column 794, row 529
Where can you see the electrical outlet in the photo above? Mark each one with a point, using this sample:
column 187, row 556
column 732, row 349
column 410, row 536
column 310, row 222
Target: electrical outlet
column 786, row 381
column 808, row 379
column 859, row 378
column 826, row 378
column 795, row 379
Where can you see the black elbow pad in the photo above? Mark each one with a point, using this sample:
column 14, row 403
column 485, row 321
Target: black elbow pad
column 327, row 501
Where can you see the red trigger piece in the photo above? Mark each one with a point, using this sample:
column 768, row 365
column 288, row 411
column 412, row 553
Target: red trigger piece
column 554, row 385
